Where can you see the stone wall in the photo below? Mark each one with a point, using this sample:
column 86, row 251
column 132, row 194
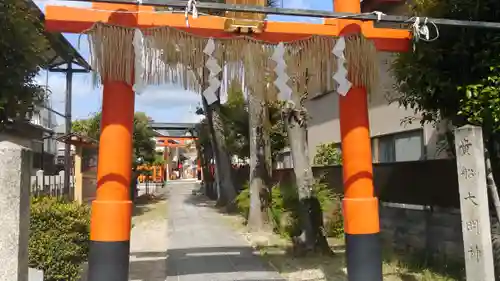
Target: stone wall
column 433, row 232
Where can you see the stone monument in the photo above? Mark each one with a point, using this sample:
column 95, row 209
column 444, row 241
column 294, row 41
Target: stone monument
column 474, row 204
column 15, row 177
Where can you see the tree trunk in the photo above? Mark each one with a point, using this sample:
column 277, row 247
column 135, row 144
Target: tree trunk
column 223, row 171
column 267, row 142
column 223, row 162
column 208, row 178
column 216, row 183
column 490, row 181
column 260, row 193
column 492, row 187
column 311, row 216
column 202, row 160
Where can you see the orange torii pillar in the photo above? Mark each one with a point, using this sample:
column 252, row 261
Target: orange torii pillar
column 112, row 208
column 360, row 206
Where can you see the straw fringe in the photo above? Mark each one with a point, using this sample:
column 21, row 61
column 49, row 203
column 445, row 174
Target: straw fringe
column 172, row 56
column 112, row 53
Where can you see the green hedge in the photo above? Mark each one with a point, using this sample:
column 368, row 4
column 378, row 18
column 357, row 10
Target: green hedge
column 284, row 209
column 59, row 238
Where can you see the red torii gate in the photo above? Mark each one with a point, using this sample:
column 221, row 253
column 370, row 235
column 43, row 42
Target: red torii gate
column 111, row 211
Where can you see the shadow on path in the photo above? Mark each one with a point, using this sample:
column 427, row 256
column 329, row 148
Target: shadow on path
column 278, row 255
column 227, row 263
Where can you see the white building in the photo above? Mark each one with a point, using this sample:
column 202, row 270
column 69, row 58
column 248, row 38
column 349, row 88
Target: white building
column 47, row 120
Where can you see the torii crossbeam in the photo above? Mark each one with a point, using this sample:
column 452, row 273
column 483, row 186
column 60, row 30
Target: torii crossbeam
column 111, row 211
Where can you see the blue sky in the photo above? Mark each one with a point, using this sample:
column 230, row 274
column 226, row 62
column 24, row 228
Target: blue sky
column 166, row 103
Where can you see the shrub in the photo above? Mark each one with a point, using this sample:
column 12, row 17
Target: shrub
column 334, row 221
column 328, row 154
column 331, row 205
column 284, row 209
column 243, row 200
column 59, row 238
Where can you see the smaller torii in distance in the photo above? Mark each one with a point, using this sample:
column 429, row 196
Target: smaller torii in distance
column 111, row 211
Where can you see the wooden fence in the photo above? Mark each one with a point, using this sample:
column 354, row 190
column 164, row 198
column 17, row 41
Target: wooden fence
column 51, row 185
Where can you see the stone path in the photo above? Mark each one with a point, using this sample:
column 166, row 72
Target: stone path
column 148, row 244
column 201, row 247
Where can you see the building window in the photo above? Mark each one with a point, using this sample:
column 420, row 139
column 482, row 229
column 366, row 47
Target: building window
column 374, row 144
column 401, row 147
column 386, row 149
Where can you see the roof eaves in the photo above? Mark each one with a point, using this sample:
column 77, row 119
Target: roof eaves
column 64, row 52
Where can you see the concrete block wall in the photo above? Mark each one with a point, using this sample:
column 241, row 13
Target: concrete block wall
column 414, row 229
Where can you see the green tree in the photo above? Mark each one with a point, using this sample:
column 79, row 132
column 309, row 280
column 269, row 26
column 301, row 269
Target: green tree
column 22, row 45
column 454, row 77
column 143, row 143
column 90, row 127
column 327, row 154
column 234, row 116
column 204, row 147
column 234, row 120
column 312, row 237
column 254, row 130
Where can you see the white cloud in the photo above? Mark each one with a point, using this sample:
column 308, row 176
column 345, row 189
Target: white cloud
column 183, row 114
column 168, row 103
column 167, row 96
column 82, row 85
column 163, row 96
column 193, row 118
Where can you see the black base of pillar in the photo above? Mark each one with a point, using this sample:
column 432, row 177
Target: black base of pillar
column 364, row 257
column 108, row 261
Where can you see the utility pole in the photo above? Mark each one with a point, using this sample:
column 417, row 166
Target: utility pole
column 68, row 163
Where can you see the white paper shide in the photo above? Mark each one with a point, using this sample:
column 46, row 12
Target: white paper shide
column 139, row 61
column 340, row 76
column 285, row 92
column 214, row 69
